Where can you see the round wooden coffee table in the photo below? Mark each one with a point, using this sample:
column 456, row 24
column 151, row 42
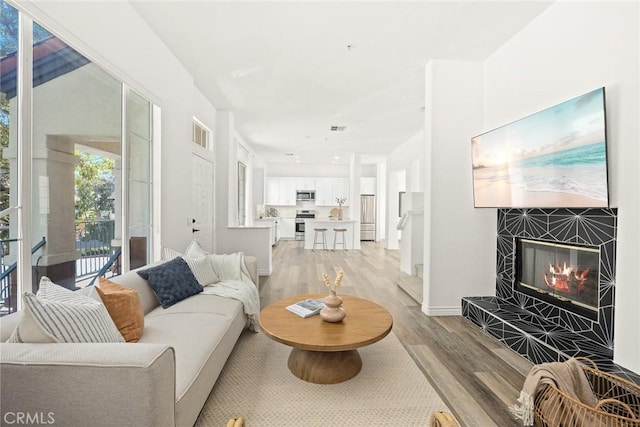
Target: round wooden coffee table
column 326, row 353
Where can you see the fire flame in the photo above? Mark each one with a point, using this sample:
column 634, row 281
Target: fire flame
column 561, row 275
column 564, row 270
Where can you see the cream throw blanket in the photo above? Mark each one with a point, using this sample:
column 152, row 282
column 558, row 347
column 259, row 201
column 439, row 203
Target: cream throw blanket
column 235, row 282
column 567, row 376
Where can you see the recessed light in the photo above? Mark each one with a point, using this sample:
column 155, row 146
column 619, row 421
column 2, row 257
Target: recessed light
column 336, row 157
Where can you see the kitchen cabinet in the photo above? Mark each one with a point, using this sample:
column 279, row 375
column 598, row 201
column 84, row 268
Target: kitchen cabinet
column 273, row 188
column 341, row 189
column 305, row 184
column 287, row 192
column 367, row 185
column 324, row 192
column 281, row 192
column 287, row 228
column 328, row 189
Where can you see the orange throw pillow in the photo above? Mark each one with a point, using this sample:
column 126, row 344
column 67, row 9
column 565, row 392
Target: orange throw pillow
column 124, row 307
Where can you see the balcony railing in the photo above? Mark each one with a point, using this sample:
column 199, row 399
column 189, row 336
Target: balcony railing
column 7, row 297
column 97, row 258
column 93, row 240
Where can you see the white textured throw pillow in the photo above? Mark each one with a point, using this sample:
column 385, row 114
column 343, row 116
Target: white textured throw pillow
column 169, row 254
column 64, row 316
column 195, row 250
column 202, row 268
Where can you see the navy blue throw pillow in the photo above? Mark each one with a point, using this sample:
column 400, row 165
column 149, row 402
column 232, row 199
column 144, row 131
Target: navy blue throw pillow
column 171, row 281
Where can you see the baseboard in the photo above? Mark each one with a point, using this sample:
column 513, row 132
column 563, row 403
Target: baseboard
column 442, row 311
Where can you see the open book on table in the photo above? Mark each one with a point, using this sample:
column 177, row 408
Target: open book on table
column 306, row 308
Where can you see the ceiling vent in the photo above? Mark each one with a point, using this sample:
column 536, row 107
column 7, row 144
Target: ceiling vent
column 338, row 128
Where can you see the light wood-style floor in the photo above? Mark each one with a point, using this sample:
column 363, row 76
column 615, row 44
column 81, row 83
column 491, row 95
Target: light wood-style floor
column 476, row 376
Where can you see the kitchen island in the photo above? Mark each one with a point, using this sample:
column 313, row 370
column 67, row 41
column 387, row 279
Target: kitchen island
column 330, row 224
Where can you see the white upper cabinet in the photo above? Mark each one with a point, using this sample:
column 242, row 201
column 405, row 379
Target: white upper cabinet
column 273, row 189
column 367, row 185
column 287, row 192
column 328, row 189
column 305, row 184
column 281, row 192
column 341, row 190
column 324, row 191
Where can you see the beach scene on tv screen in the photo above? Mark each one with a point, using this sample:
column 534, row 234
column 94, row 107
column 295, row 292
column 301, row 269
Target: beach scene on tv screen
column 554, row 158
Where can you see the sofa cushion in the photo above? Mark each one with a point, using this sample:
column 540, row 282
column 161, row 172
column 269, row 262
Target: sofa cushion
column 66, row 316
column 124, row 307
column 203, row 303
column 192, row 349
column 202, row 268
column 171, row 281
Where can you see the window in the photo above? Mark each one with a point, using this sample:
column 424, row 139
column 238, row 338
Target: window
column 85, row 166
column 200, row 135
column 9, row 157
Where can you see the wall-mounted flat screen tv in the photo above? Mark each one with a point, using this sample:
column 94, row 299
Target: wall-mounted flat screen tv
column 556, row 158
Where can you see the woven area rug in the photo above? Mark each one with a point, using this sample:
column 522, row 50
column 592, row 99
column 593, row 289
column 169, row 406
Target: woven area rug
column 390, row 390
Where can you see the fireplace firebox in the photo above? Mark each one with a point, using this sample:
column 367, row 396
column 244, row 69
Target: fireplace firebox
column 565, row 275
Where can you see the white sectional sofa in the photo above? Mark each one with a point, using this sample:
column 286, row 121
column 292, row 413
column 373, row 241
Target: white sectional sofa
column 162, row 380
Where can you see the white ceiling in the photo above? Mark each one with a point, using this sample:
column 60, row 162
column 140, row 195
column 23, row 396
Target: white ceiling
column 290, row 70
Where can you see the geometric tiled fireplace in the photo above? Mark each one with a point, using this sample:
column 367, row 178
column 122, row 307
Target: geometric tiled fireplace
column 537, row 325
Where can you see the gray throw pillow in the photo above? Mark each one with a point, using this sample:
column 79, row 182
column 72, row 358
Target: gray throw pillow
column 171, row 281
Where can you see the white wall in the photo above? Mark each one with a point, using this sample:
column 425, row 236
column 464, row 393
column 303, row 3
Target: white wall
column 403, row 166
column 381, row 199
column 409, row 156
column 460, row 241
column 570, row 49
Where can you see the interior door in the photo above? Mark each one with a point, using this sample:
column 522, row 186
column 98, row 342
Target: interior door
column 202, row 201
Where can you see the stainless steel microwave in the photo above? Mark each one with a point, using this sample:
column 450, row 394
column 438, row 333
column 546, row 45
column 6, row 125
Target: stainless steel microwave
column 305, row 195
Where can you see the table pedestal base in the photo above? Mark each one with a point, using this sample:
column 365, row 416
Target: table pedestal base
column 320, row 367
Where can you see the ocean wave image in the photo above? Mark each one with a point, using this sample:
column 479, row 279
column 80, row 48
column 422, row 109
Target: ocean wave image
column 592, row 154
column 577, row 176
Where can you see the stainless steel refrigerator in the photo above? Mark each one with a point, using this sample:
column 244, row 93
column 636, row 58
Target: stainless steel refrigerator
column 368, row 217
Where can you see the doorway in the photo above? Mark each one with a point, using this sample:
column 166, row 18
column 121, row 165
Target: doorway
column 202, row 202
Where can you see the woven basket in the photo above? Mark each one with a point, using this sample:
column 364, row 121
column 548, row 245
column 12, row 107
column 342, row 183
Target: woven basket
column 442, row 419
column 618, row 403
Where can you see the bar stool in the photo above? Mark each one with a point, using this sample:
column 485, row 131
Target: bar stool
column 323, row 233
column 335, row 238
